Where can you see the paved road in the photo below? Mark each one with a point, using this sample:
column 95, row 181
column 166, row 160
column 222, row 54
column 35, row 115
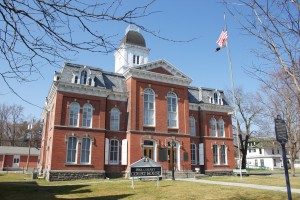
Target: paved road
column 254, row 186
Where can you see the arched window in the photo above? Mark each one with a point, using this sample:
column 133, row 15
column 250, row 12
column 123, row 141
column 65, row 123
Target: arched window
column 149, row 111
column 72, row 150
column 213, row 127
column 85, row 150
column 115, row 119
column 83, row 77
column 192, row 126
column 221, row 128
column 193, row 154
column 74, row 114
column 87, row 115
column 215, row 98
column 114, row 152
column 172, row 110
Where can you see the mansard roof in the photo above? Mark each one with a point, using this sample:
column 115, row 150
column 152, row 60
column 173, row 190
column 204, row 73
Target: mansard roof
column 106, row 80
column 201, row 94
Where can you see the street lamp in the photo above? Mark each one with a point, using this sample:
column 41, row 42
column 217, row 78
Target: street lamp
column 173, row 143
column 29, row 129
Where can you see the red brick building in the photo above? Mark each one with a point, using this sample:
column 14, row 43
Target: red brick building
column 18, row 158
column 97, row 123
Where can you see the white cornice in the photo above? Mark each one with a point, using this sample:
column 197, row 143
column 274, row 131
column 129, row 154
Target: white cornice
column 118, row 96
column 142, row 74
column 81, row 89
column 193, row 106
column 210, row 107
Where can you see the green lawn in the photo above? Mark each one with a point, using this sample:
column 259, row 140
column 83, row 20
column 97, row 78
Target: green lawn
column 14, row 186
column 260, row 180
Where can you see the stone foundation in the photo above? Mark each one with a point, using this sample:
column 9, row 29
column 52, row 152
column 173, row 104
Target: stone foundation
column 115, row 174
column 60, row 175
column 218, row 173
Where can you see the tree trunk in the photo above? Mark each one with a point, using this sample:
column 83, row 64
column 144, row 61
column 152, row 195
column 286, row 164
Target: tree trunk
column 243, row 149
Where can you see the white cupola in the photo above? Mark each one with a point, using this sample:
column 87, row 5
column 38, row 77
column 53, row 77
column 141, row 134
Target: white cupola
column 132, row 50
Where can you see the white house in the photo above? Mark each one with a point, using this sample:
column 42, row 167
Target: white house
column 264, row 153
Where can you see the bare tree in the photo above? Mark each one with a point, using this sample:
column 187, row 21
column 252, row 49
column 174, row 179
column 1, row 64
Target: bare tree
column 35, row 33
column 13, row 127
column 280, row 97
column 275, row 25
column 248, row 120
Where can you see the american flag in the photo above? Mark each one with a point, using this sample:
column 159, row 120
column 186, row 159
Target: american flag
column 222, row 39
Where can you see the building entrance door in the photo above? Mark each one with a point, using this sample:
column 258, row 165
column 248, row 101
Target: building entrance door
column 149, row 149
column 16, row 161
column 148, row 152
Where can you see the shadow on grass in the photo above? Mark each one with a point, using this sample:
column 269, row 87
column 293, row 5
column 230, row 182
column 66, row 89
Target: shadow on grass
column 31, row 190
column 241, row 197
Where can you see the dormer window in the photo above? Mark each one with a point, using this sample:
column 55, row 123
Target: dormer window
column 215, row 98
column 76, row 79
column 90, row 81
column 83, row 77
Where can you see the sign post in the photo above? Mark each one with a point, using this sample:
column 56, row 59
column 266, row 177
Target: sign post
column 282, row 138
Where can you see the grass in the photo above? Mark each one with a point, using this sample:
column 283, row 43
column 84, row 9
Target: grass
column 275, row 171
column 260, row 180
column 15, row 187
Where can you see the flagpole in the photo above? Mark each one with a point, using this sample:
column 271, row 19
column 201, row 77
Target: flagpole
column 233, row 96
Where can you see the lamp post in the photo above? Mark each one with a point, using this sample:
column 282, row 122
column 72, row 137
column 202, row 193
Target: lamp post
column 172, row 149
column 29, row 144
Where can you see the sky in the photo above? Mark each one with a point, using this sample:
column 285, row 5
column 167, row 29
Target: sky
column 176, row 20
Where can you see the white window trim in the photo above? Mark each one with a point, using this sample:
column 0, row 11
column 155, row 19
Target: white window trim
column 218, row 155
column 214, row 121
column 90, row 149
column 154, row 113
column 195, row 152
column 172, row 112
column 225, row 149
column 78, row 114
column 118, row 153
column 92, row 108
column 118, row 124
column 218, row 125
column 193, row 133
column 76, row 154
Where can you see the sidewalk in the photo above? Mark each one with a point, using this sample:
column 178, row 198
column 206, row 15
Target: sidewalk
column 254, row 186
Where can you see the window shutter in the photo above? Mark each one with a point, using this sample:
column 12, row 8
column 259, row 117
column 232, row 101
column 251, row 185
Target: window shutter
column 124, row 152
column 106, row 151
column 201, row 154
column 162, row 154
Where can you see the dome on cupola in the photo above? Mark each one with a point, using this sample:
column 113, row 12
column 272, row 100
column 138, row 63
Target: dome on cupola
column 133, row 37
